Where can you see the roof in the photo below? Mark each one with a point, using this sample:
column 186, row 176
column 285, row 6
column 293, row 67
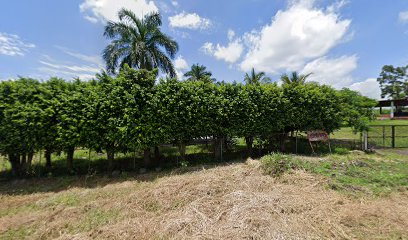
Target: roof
column 397, row 102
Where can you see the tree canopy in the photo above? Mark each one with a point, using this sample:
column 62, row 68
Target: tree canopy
column 139, row 43
column 199, row 73
column 295, row 78
column 393, row 82
column 256, row 78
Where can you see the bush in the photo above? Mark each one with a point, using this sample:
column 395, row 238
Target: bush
column 129, row 112
column 341, row 151
column 277, row 164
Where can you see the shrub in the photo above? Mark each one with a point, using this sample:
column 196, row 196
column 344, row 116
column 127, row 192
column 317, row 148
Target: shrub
column 341, row 151
column 277, row 164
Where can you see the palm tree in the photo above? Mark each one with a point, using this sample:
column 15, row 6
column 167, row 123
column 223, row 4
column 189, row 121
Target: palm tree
column 295, row 78
column 139, row 43
column 199, row 73
column 256, row 78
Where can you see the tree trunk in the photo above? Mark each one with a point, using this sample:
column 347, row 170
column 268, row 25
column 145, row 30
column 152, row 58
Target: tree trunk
column 157, row 158
column 111, row 156
column 146, row 157
column 283, row 140
column 218, row 148
column 47, row 158
column 249, row 140
column 23, row 162
column 15, row 164
column 30, row 159
column 182, row 150
column 70, row 158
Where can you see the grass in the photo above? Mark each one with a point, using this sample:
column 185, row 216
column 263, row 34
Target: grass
column 378, row 129
column 345, row 133
column 277, row 164
column 360, row 173
column 364, row 175
column 94, row 218
column 389, row 122
column 21, row 232
column 239, row 198
column 89, row 163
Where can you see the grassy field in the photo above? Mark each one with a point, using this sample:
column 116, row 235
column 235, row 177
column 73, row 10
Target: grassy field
column 389, row 122
column 379, row 129
column 348, row 196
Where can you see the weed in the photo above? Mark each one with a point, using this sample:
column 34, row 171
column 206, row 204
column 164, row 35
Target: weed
column 277, row 164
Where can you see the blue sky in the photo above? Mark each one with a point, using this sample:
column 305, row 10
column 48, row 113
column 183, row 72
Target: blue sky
column 343, row 43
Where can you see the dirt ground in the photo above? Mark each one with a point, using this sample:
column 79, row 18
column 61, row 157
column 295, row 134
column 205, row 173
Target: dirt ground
column 228, row 202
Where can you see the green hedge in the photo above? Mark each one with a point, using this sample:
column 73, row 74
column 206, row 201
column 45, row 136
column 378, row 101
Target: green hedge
column 131, row 111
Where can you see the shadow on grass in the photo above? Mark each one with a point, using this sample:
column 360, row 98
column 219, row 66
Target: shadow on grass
column 94, row 173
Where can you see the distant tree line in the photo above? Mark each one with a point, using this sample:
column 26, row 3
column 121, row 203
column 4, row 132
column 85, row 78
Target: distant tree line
column 132, row 111
column 393, row 82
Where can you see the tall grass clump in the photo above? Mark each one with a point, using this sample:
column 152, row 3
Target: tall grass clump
column 276, row 164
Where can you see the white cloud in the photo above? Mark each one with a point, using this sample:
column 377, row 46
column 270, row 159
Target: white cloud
column 12, row 45
column 208, row 48
column 190, row 21
column 107, row 10
column 335, row 72
column 85, row 66
column 51, row 72
column 180, row 64
column 174, row 3
column 72, row 68
column 230, row 53
column 336, row 6
column 403, row 17
column 95, row 59
column 369, row 88
column 91, row 19
column 296, row 35
column 231, row 34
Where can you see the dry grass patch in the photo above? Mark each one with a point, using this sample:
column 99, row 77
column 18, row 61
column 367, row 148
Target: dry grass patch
column 227, row 202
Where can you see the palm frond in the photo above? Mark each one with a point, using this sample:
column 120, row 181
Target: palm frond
column 139, row 43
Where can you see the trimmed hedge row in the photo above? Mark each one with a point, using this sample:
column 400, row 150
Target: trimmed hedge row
column 130, row 112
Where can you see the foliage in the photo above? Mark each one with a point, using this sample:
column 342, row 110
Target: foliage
column 256, row 78
column 139, row 43
column 117, row 118
column 129, row 112
column 311, row 106
column 357, row 110
column 294, row 78
column 23, row 120
column 276, row 164
column 393, row 82
column 199, row 73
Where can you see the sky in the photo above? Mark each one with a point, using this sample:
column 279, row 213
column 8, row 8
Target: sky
column 343, row 43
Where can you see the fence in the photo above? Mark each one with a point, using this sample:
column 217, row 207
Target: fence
column 388, row 136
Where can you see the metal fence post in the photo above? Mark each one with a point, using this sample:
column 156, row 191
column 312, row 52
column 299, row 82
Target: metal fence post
column 365, row 141
column 383, row 128
column 393, row 136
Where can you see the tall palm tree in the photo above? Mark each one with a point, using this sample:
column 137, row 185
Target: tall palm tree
column 199, row 73
column 139, row 43
column 256, row 78
column 295, row 78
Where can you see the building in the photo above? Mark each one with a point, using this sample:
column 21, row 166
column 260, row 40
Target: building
column 396, row 107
